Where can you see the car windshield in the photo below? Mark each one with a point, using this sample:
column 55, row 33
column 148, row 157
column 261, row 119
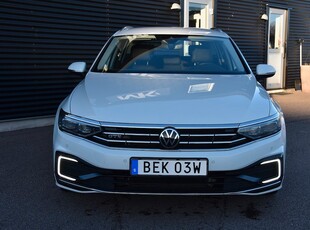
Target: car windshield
column 170, row 54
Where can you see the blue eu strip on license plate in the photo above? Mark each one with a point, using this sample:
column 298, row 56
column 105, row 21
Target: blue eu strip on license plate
column 169, row 167
column 134, row 167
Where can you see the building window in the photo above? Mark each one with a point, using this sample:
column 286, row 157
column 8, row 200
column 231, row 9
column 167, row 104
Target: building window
column 198, row 13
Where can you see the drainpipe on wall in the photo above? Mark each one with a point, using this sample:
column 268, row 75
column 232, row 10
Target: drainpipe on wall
column 301, row 40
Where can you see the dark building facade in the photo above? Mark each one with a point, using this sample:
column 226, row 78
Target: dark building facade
column 39, row 39
column 242, row 21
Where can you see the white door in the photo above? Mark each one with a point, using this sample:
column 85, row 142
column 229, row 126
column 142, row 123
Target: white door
column 198, row 13
column 276, row 46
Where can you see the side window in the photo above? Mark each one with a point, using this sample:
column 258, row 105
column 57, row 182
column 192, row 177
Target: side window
column 224, row 59
column 233, row 58
column 229, row 60
column 112, row 55
column 117, row 55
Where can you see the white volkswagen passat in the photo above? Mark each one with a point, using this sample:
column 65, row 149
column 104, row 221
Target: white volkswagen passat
column 170, row 111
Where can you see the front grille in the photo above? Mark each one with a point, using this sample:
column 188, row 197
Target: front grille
column 190, row 138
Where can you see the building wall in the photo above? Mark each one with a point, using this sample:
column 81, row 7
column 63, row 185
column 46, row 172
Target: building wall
column 241, row 20
column 299, row 28
column 39, row 39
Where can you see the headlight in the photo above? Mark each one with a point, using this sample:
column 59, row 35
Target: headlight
column 77, row 125
column 262, row 129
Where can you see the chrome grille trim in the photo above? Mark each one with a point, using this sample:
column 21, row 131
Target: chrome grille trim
column 140, row 134
column 132, row 134
column 227, row 134
column 229, row 142
column 162, row 126
column 109, row 140
column 195, row 143
column 143, row 142
column 113, row 133
column 197, row 135
column 147, row 137
column 126, row 141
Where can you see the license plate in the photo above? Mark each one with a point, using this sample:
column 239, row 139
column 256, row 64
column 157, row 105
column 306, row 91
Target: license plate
column 169, row 167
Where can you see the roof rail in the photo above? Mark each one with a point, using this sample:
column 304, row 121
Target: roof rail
column 216, row 29
column 126, row 28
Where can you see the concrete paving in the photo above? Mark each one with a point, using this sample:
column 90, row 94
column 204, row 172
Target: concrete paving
column 30, row 200
column 295, row 104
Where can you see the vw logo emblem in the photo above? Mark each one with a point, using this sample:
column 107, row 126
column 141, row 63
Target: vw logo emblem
column 169, row 138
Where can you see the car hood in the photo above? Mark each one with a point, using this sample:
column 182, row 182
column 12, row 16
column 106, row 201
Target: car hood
column 170, row 98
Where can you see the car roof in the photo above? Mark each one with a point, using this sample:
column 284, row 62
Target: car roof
column 170, row 30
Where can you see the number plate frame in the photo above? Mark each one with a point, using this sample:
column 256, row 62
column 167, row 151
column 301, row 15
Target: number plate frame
column 135, row 160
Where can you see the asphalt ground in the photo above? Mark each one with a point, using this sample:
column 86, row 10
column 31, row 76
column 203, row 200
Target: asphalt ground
column 29, row 198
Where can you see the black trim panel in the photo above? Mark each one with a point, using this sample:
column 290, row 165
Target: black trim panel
column 120, row 181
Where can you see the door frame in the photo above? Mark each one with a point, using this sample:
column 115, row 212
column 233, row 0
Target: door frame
column 286, row 36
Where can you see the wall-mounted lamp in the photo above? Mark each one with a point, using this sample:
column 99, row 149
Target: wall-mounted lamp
column 175, row 6
column 264, row 17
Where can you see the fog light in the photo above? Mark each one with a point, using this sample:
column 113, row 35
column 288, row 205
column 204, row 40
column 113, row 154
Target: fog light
column 60, row 158
column 279, row 170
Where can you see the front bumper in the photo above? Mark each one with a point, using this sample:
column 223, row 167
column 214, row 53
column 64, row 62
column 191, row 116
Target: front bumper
column 78, row 175
column 97, row 168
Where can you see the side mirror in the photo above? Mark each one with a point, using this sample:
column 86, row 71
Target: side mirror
column 264, row 71
column 77, row 67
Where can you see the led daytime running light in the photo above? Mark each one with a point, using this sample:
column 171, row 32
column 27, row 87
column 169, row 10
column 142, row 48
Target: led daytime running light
column 59, row 166
column 279, row 170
